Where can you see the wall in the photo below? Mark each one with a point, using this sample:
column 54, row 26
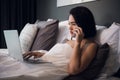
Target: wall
column 104, row 11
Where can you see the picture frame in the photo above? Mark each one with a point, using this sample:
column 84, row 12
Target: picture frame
column 61, row 3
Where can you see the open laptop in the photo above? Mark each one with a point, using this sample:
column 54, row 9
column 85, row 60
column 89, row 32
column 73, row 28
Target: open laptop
column 13, row 44
column 14, row 47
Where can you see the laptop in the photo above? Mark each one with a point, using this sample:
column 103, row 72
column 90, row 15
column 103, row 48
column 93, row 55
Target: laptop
column 13, row 44
column 14, row 47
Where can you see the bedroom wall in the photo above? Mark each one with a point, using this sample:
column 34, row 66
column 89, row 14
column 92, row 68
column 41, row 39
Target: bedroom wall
column 104, row 11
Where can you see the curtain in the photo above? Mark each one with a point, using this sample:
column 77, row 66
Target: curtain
column 14, row 14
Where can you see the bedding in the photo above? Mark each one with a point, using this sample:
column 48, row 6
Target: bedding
column 10, row 69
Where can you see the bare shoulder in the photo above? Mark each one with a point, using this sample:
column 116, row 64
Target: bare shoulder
column 93, row 45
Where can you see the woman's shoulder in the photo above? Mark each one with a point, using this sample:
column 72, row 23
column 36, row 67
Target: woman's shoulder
column 93, row 43
column 90, row 45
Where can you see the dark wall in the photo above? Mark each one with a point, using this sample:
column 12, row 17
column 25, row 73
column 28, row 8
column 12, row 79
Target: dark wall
column 104, row 11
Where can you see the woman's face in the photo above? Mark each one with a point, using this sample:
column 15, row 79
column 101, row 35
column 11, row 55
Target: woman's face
column 72, row 24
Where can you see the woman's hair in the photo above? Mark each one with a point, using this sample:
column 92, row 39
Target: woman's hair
column 84, row 19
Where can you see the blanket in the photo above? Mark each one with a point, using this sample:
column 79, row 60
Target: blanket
column 11, row 69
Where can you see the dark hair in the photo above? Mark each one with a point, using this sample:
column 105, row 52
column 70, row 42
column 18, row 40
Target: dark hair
column 84, row 19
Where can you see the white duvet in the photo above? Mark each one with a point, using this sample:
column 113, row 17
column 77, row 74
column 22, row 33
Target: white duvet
column 53, row 69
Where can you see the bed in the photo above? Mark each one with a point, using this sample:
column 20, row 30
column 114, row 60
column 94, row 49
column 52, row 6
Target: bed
column 10, row 69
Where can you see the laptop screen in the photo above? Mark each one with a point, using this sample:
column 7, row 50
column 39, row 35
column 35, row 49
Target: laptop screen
column 13, row 44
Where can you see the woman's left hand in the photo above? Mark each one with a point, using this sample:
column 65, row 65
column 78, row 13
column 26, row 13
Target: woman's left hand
column 79, row 34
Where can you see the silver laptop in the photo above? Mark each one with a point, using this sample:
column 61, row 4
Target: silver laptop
column 14, row 47
column 13, row 44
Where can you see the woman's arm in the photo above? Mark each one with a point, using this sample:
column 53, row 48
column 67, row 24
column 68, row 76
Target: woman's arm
column 79, row 59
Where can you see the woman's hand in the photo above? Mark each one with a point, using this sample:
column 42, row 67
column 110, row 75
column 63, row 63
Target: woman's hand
column 27, row 55
column 79, row 34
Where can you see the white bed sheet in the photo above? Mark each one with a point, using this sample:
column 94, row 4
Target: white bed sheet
column 11, row 69
column 27, row 71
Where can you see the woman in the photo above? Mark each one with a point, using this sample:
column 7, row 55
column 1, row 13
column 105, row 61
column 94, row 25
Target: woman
column 82, row 28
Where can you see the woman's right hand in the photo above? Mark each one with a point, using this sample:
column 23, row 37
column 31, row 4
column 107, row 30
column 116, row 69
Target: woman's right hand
column 27, row 55
column 79, row 34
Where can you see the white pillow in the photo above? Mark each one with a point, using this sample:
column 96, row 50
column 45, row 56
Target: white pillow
column 99, row 29
column 27, row 36
column 119, row 41
column 63, row 31
column 111, row 36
